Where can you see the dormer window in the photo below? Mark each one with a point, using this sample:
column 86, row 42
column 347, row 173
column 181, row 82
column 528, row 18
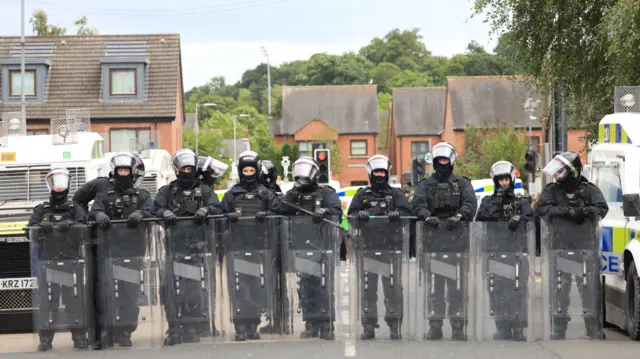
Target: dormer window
column 123, row 82
column 15, row 83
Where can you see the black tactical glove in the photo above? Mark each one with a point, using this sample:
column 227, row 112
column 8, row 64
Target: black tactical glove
column 432, row 221
column 590, row 212
column 47, row 227
column 201, row 215
column 64, row 226
column 422, row 215
column 319, row 214
column 559, row 211
column 575, row 215
column 134, row 219
column 292, row 196
column 514, row 223
column 394, row 216
column 363, row 215
column 233, row 217
column 169, row 217
column 453, row 221
column 261, row 216
column 102, row 220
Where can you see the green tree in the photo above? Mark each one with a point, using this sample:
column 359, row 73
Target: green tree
column 405, row 49
column 382, row 73
column 410, row 79
column 40, row 22
column 347, row 69
column 484, row 147
column 83, row 29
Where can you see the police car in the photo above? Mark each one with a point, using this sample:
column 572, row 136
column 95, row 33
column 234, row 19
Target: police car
column 615, row 169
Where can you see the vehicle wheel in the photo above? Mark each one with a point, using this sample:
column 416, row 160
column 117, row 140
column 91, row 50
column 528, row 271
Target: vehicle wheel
column 633, row 302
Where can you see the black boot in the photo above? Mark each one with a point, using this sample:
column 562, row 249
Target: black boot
column 241, row 333
column 172, row 337
column 46, row 342
column 252, row 333
column 310, row 330
column 189, row 335
column 518, row 335
column 503, row 331
column 368, row 332
column 79, row 340
column 435, row 330
column 457, row 330
column 124, row 339
column 395, row 327
column 326, row 330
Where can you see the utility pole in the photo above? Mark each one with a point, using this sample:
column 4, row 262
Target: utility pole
column 266, row 54
column 23, row 105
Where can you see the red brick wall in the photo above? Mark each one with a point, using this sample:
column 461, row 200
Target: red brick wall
column 402, row 158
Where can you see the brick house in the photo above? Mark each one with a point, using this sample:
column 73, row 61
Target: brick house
column 131, row 84
column 342, row 118
column 425, row 116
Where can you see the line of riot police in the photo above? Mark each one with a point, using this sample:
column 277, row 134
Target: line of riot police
column 256, row 262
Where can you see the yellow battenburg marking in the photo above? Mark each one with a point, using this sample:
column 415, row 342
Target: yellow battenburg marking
column 12, row 228
column 620, row 234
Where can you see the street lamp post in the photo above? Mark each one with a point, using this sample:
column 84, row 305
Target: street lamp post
column 266, row 54
column 234, row 173
column 530, row 106
column 198, row 121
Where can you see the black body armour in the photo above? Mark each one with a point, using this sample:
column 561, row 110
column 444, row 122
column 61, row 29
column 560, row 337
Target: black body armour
column 445, row 198
column 59, row 213
column 186, row 202
column 310, row 201
column 250, row 203
column 576, row 198
column 511, row 207
column 122, row 206
column 377, row 203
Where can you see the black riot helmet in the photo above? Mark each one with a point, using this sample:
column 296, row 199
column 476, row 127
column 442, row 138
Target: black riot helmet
column 501, row 170
column 441, row 151
column 185, row 164
column 306, row 168
column 565, row 168
column 136, row 170
column 58, row 181
column 378, row 163
column 268, row 173
column 249, row 159
column 210, row 169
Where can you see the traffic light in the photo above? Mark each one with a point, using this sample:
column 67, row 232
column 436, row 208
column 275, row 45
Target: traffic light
column 323, row 158
column 417, row 170
column 530, row 158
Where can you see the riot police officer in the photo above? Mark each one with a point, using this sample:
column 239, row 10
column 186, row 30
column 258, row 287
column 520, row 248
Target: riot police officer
column 124, row 200
column 573, row 198
column 380, row 199
column 61, row 211
column 324, row 202
column 249, row 198
column 451, row 198
column 210, row 169
column 269, row 177
column 88, row 191
column 505, row 205
column 185, row 196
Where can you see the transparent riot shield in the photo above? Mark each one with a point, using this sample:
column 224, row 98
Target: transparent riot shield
column 380, row 257
column 64, row 294
column 445, row 279
column 188, row 288
column 310, row 260
column 571, row 279
column 505, row 281
column 125, row 288
column 250, row 275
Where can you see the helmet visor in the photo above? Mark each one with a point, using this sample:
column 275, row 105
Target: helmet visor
column 559, row 168
column 305, row 169
column 377, row 163
column 122, row 160
column 217, row 168
column 184, row 159
column 58, row 182
column 444, row 152
column 503, row 169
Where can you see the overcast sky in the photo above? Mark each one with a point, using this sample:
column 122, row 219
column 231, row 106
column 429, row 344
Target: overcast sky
column 223, row 37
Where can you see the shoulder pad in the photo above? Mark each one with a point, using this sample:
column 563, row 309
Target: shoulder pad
column 464, row 177
column 41, row 205
column 424, row 180
column 142, row 191
column 552, row 184
column 365, row 189
column 330, row 188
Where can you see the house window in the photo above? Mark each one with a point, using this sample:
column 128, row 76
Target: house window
column 123, row 82
column 359, row 183
column 535, row 140
column 418, row 149
column 304, row 148
column 15, row 83
column 358, row 147
column 37, row 132
column 125, row 139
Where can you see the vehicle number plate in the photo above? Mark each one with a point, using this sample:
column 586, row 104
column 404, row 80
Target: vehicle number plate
column 8, row 157
column 17, row 283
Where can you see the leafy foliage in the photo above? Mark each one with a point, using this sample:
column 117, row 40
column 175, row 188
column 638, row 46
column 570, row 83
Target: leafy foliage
column 484, row 147
column 578, row 48
column 40, row 23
